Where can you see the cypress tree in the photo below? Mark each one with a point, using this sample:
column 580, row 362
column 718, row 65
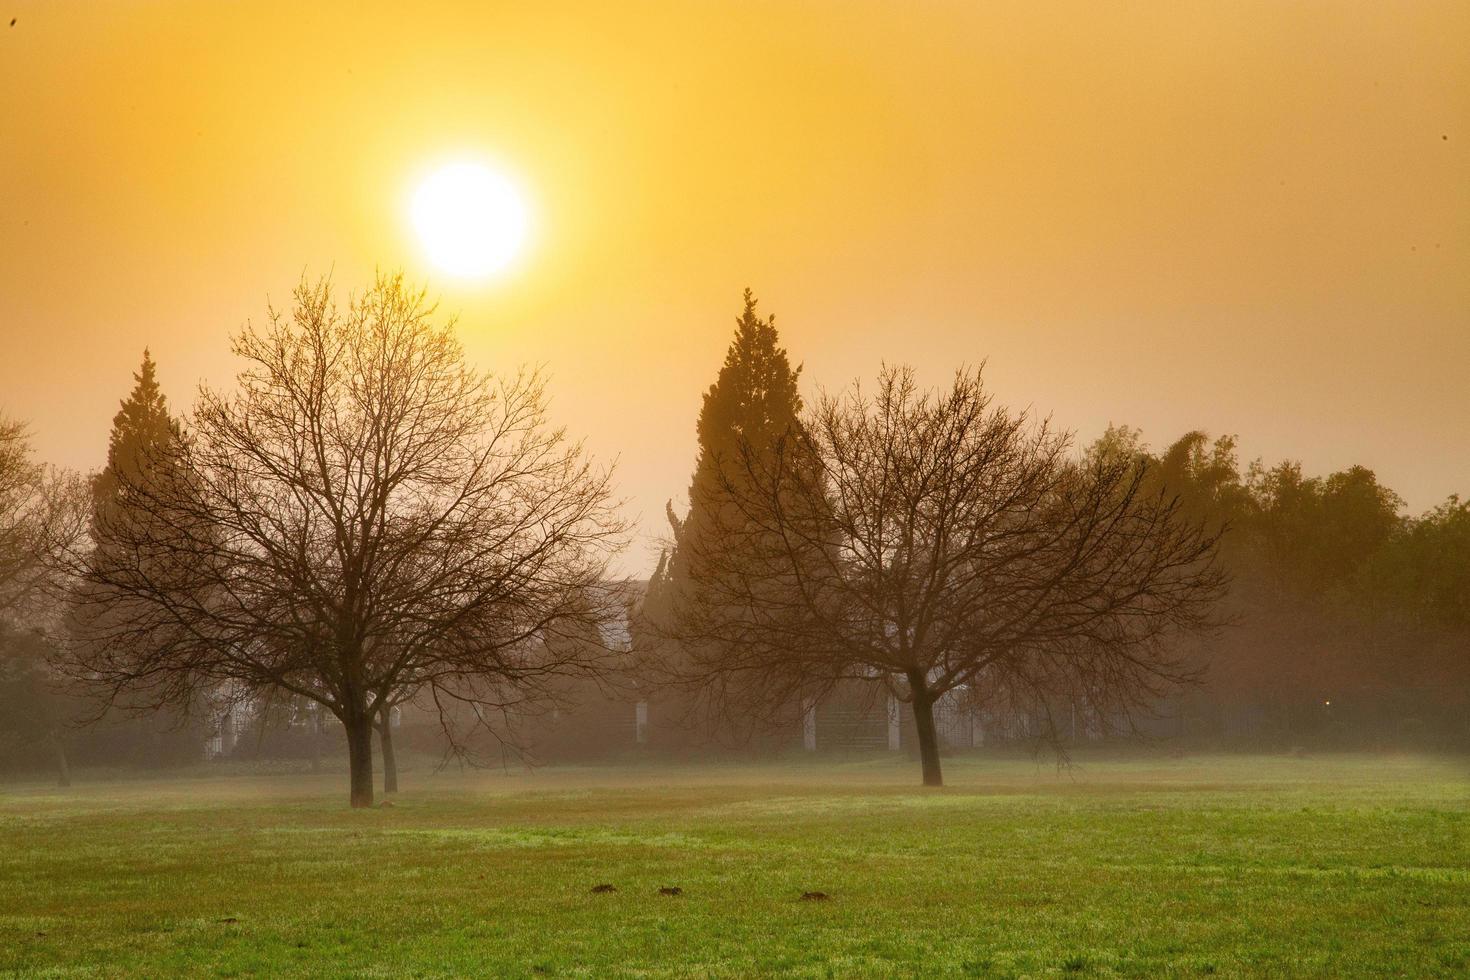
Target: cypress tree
column 753, row 402
column 142, row 453
column 144, row 439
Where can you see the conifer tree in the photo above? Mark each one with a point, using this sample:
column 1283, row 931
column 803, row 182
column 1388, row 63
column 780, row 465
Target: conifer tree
column 144, row 451
column 753, row 403
column 751, row 407
column 144, row 439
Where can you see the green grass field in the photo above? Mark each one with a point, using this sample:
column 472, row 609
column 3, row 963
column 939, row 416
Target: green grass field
column 1219, row 865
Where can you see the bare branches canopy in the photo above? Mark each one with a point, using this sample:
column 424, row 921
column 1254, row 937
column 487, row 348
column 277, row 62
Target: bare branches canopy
column 360, row 519
column 42, row 513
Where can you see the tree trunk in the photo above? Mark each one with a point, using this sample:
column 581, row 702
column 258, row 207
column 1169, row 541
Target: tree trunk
column 390, row 761
column 923, row 702
column 63, row 768
column 360, row 757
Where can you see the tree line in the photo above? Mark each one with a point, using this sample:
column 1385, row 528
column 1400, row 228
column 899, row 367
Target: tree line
column 1349, row 617
column 935, row 544
column 364, row 521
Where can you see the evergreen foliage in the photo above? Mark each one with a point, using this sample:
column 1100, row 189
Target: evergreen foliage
column 144, row 442
column 752, row 404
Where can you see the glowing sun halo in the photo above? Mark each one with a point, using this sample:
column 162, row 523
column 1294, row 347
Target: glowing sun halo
column 471, row 220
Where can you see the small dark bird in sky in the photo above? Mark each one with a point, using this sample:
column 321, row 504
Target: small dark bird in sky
column 675, row 890
column 603, row 889
column 12, row 22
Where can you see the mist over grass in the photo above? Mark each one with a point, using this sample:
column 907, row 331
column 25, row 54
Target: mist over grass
column 1144, row 866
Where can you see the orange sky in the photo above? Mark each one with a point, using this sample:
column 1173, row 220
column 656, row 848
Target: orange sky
column 1244, row 217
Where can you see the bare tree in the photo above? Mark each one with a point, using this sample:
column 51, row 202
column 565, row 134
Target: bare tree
column 19, row 523
column 364, row 515
column 42, row 513
column 930, row 541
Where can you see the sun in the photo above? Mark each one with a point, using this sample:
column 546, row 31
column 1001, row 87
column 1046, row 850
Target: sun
column 472, row 221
